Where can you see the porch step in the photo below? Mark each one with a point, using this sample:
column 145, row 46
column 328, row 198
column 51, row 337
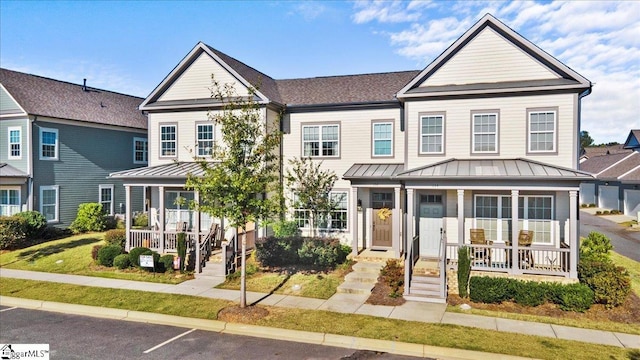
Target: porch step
column 354, row 288
column 362, row 279
column 368, row 267
column 427, row 267
column 426, row 288
column 424, row 298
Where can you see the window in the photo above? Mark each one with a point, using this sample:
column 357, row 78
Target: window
column 335, row 220
column 381, row 200
column 382, row 139
column 432, row 134
column 485, row 133
column 176, row 204
column 140, row 151
column 542, row 131
column 106, row 198
column 9, row 202
column 49, row 202
column 15, row 143
column 493, row 214
column 48, row 144
column 205, row 139
column 168, row 140
column 321, row 140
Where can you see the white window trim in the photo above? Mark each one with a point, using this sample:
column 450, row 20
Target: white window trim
column 57, row 204
column 441, row 134
column 474, row 133
column 15, row 188
column 146, row 151
column 57, row 144
column 175, row 126
column 373, row 138
column 213, row 139
column 529, row 132
column 320, row 140
column 110, row 211
column 329, row 229
column 9, row 143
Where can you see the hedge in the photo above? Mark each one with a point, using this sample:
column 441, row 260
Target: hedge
column 295, row 250
column 13, row 232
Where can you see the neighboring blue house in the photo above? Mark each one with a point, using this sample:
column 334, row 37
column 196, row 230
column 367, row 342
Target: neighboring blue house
column 59, row 142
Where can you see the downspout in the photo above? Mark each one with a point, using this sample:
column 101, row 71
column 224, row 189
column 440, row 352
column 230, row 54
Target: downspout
column 30, row 155
column 577, row 240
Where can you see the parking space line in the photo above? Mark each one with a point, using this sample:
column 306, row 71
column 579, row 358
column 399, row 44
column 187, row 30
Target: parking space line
column 7, row 309
column 168, row 341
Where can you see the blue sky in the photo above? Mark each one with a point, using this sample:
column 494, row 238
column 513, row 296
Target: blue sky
column 130, row 46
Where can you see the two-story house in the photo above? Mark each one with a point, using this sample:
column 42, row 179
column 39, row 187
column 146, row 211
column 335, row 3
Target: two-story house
column 59, row 142
column 483, row 140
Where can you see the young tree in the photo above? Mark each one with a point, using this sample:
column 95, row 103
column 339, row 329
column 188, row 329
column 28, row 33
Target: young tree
column 241, row 181
column 585, row 139
column 311, row 187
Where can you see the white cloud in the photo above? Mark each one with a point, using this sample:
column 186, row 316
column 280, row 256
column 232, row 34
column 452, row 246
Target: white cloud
column 309, row 10
column 598, row 39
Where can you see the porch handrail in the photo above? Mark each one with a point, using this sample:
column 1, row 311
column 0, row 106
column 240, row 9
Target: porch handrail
column 408, row 265
column 441, row 262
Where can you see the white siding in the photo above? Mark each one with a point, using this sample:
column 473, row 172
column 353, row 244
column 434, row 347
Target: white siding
column 489, row 58
column 195, row 81
column 512, row 136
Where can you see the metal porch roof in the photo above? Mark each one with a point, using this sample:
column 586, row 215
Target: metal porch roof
column 178, row 170
column 368, row 171
column 7, row 170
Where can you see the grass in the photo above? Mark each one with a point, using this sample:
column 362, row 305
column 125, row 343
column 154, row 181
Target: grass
column 72, row 255
column 319, row 321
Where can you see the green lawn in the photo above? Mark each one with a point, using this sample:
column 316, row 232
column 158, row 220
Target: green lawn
column 320, row 321
column 72, row 255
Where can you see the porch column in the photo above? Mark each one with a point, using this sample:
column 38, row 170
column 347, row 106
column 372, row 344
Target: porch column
column 354, row 223
column 396, row 225
column 196, row 198
column 460, row 217
column 574, row 241
column 161, row 218
column 515, row 229
column 127, row 217
column 408, row 256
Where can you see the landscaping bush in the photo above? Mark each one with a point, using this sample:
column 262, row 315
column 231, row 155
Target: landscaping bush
column 529, row 293
column 464, row 270
column 116, row 237
column 90, row 217
column 275, row 251
column 182, row 249
column 595, row 246
column 490, row 290
column 575, row 297
column 326, row 253
column 584, row 205
column 393, row 275
column 610, row 287
column 598, row 212
column 36, row 222
column 13, row 232
column 592, row 205
column 107, row 253
column 165, row 263
column 286, row 228
column 615, row 212
column 94, row 251
column 141, row 220
column 122, row 261
column 322, row 252
column 134, row 255
column 606, row 212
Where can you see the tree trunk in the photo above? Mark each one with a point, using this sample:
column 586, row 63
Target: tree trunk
column 243, row 272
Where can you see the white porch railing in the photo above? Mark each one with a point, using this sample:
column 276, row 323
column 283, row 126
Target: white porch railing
column 154, row 240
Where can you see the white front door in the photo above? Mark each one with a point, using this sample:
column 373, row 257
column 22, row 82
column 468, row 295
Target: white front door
column 430, row 229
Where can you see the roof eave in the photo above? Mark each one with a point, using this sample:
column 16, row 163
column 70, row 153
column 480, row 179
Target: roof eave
column 491, row 91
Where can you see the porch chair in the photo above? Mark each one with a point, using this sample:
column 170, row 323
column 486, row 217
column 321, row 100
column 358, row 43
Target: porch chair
column 480, row 254
column 525, row 239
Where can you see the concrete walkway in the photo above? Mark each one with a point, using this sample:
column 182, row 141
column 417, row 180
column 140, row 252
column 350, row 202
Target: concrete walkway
column 344, row 303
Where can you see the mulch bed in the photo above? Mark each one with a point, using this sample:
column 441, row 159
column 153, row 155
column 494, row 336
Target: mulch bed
column 380, row 295
column 247, row 315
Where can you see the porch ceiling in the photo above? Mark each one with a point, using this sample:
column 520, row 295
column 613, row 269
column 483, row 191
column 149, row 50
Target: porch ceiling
column 506, row 169
column 178, row 170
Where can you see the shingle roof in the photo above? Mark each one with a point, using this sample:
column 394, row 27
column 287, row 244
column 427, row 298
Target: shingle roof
column 58, row 99
column 597, row 164
column 605, row 150
column 627, row 164
column 520, row 169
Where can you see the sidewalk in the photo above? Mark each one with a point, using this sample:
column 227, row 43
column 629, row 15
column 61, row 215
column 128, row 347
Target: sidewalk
column 344, row 303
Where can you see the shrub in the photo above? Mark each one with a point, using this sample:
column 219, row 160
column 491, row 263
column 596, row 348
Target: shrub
column 592, row 205
column 575, row 297
column 36, row 222
column 165, row 263
column 134, row 255
column 584, row 205
column 490, row 290
column 141, row 220
column 182, row 249
column 286, row 228
column 90, row 217
column 464, row 270
column 393, row 275
column 94, row 251
column 529, row 293
column 598, row 212
column 107, row 254
column 322, row 252
column 615, row 212
column 606, row 212
column 122, row 261
column 116, row 237
column 595, row 246
column 13, row 232
column 275, row 251
column 610, row 284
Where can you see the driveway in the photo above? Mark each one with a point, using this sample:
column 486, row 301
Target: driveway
column 625, row 242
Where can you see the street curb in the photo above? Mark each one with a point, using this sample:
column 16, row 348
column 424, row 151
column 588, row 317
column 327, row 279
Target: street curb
column 351, row 342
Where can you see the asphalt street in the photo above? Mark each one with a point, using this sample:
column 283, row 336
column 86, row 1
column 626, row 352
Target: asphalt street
column 625, row 242
column 80, row 337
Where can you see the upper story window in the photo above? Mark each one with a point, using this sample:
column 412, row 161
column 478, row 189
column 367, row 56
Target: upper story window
column 542, row 136
column 168, row 140
column 140, row 151
column 542, row 131
column 48, row 144
column 485, row 133
column 15, row 143
column 321, row 140
column 382, row 139
column 205, row 133
column 432, row 134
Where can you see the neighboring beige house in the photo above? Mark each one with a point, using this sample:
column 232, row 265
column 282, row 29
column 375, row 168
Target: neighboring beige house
column 486, row 137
